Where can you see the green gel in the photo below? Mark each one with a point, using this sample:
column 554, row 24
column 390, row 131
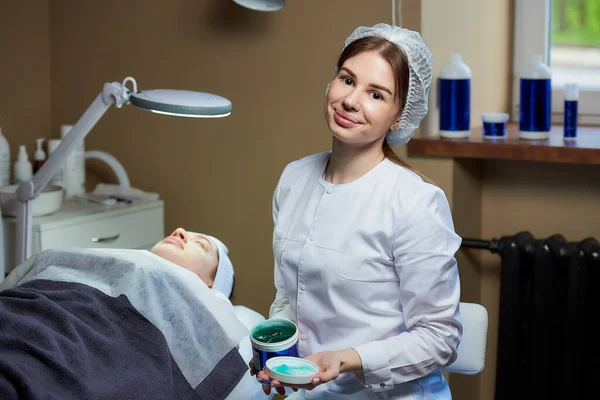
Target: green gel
column 274, row 334
column 292, row 370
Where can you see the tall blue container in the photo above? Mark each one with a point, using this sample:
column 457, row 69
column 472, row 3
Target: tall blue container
column 535, row 106
column 570, row 111
column 455, row 99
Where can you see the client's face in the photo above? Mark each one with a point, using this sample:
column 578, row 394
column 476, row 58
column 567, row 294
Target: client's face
column 190, row 250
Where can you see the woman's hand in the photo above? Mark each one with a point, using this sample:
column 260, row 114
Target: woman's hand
column 330, row 363
column 262, row 376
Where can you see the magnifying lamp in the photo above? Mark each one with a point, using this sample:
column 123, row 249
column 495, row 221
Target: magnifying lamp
column 182, row 103
column 262, row 5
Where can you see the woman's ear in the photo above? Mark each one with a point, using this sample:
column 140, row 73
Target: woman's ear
column 395, row 125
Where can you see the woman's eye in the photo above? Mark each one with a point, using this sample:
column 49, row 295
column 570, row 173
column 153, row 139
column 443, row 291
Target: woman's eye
column 376, row 96
column 201, row 244
column 347, row 80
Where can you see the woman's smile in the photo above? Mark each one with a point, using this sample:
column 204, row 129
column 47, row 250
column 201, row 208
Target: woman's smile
column 344, row 119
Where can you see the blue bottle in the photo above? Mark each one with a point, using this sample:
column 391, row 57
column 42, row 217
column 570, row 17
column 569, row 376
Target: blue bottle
column 535, row 100
column 570, row 112
column 455, row 99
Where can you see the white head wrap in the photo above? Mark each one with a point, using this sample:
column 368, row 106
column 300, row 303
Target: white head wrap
column 420, row 63
column 224, row 276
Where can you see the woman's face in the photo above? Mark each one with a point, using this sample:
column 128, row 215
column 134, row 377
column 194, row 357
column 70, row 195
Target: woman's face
column 190, row 250
column 362, row 104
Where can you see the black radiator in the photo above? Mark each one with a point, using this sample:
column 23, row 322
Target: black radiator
column 548, row 346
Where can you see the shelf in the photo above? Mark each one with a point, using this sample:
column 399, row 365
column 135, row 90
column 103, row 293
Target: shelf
column 584, row 150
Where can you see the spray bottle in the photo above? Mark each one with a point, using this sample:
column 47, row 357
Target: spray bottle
column 23, row 168
column 4, row 161
column 39, row 156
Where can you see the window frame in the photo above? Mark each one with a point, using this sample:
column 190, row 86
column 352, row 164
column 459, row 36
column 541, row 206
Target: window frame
column 532, row 30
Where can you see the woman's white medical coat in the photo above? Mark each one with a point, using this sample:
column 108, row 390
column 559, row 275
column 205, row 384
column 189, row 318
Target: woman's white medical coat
column 369, row 265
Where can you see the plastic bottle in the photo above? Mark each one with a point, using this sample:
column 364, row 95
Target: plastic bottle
column 74, row 173
column 535, row 100
column 23, row 170
column 39, row 156
column 570, row 113
column 455, row 99
column 4, row 161
column 58, row 179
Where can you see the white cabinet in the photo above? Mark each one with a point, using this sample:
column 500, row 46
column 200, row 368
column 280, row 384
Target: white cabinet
column 138, row 225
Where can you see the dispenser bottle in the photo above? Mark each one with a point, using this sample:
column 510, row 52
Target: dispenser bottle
column 570, row 113
column 4, row 161
column 23, row 170
column 74, row 172
column 455, row 99
column 58, row 179
column 535, row 100
column 39, row 156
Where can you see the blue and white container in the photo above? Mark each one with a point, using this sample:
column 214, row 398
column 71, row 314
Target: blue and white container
column 494, row 125
column 264, row 349
column 570, row 113
column 535, row 105
column 455, row 99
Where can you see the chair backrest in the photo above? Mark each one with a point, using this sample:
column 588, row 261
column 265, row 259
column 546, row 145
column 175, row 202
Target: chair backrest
column 471, row 350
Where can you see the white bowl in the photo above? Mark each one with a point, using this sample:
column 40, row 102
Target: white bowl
column 274, row 370
column 46, row 203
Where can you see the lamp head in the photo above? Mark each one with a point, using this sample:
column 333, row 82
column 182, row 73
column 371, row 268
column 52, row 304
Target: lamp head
column 183, row 103
column 262, row 5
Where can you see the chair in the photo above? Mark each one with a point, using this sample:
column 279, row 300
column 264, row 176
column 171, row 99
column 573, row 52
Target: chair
column 471, row 351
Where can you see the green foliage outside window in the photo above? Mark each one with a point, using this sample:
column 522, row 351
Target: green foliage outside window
column 576, row 23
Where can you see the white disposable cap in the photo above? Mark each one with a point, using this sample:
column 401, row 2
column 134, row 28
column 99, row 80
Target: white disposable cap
column 571, row 92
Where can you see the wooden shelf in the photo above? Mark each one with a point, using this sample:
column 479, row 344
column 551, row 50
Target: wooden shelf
column 584, row 150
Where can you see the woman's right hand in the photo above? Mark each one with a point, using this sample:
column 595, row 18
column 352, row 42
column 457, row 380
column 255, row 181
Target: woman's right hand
column 262, row 376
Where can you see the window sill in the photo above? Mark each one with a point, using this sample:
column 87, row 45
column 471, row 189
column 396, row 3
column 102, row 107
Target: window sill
column 584, row 150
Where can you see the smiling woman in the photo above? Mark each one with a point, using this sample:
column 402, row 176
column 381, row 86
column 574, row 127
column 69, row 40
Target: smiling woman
column 363, row 246
column 387, row 85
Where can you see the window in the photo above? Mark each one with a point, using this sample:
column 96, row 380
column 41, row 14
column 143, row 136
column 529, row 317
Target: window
column 567, row 34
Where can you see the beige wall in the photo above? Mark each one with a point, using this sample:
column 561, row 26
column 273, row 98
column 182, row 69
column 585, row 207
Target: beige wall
column 24, row 73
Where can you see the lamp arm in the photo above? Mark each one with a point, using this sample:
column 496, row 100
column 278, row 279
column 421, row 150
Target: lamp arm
column 112, row 93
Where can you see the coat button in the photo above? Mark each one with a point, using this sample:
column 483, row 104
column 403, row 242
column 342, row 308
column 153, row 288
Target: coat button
column 329, row 190
column 382, row 385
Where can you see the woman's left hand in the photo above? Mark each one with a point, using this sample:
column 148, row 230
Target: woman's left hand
column 330, row 363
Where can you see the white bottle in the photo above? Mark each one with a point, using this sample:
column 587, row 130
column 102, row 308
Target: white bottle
column 535, row 104
column 455, row 99
column 23, row 170
column 4, row 161
column 58, row 179
column 39, row 156
column 74, row 173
